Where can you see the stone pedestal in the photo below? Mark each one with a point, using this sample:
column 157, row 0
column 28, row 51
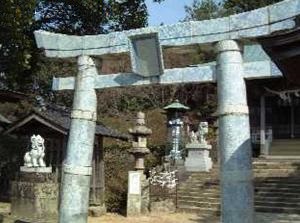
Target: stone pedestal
column 34, row 196
column 198, row 157
column 138, row 194
column 39, row 170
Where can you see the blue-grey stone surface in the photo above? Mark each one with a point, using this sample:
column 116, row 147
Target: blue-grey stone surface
column 256, row 23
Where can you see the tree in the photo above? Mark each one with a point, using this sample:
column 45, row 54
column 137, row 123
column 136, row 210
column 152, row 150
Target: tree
column 202, row 10
column 128, row 15
column 16, row 42
column 86, row 17
column 210, row 9
column 20, row 62
column 237, row 6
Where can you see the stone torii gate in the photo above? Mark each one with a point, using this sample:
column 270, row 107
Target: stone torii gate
column 145, row 46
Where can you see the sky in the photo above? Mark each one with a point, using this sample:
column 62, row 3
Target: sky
column 167, row 12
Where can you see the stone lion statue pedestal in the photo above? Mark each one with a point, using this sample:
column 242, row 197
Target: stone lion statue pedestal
column 198, row 158
column 34, row 194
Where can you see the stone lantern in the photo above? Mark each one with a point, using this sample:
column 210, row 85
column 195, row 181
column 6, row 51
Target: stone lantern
column 139, row 144
column 175, row 113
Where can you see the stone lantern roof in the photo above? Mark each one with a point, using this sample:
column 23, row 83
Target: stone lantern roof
column 140, row 129
column 176, row 105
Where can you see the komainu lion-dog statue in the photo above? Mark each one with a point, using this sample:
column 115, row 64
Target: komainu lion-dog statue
column 35, row 157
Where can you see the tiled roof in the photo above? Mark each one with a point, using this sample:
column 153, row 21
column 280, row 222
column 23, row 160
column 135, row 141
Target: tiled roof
column 60, row 117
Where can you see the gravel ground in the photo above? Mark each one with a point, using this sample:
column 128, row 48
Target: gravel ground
column 190, row 218
column 174, row 218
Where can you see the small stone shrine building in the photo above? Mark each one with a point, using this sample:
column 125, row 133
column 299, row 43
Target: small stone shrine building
column 53, row 123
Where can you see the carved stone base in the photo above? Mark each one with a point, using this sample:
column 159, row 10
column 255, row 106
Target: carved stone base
column 198, row 158
column 34, row 197
column 36, row 169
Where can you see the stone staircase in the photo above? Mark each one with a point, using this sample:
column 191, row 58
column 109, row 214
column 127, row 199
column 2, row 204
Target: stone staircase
column 200, row 193
column 277, row 189
column 286, row 147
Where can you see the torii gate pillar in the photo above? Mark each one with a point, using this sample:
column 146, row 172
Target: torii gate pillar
column 234, row 136
column 77, row 165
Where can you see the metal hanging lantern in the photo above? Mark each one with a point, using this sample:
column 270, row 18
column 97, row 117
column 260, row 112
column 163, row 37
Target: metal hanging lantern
column 175, row 113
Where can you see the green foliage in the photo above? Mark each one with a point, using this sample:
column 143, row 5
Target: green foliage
column 155, row 157
column 128, row 15
column 72, row 17
column 10, row 149
column 16, row 42
column 91, row 16
column 237, row 6
column 202, row 10
column 11, row 154
column 19, row 58
column 117, row 164
column 210, row 9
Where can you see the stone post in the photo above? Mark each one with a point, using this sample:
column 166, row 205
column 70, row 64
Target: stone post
column 234, row 136
column 77, row 165
column 139, row 144
column 138, row 185
column 263, row 147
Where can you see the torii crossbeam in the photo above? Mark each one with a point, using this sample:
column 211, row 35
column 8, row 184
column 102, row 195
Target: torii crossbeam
column 144, row 45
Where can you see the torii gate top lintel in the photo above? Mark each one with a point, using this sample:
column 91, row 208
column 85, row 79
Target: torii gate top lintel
column 257, row 23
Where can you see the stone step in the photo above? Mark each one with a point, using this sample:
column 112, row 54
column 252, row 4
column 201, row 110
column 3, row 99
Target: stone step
column 203, row 178
column 197, row 186
column 277, row 186
column 259, row 198
column 277, row 209
column 286, row 204
column 277, row 189
column 284, row 146
column 200, row 183
column 278, row 174
column 258, row 187
column 278, row 162
column 199, row 210
column 290, row 180
column 200, row 198
column 274, row 168
column 276, row 194
column 199, row 194
column 198, row 204
column 198, row 190
column 277, row 199
column 277, row 170
column 285, row 141
column 294, row 185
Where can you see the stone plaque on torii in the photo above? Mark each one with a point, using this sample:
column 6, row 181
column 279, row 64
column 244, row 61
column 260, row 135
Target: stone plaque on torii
column 144, row 45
